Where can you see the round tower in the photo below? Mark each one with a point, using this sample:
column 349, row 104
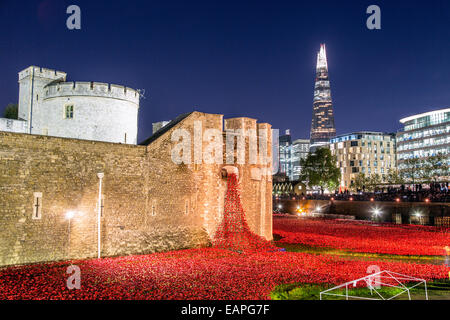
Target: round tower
column 81, row 110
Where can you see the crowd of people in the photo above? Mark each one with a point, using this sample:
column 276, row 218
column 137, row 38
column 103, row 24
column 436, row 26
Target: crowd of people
column 435, row 192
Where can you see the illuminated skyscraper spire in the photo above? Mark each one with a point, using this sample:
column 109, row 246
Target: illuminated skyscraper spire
column 322, row 58
column 322, row 125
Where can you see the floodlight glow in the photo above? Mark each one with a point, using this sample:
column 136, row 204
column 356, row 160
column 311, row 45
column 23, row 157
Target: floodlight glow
column 70, row 214
column 376, row 212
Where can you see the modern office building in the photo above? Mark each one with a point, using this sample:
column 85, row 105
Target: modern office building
column 299, row 150
column 322, row 125
column 290, row 153
column 363, row 152
column 285, row 142
column 424, row 135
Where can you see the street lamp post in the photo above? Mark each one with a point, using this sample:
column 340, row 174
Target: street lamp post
column 100, row 175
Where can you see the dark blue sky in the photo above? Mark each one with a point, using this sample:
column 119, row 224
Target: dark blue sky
column 241, row 58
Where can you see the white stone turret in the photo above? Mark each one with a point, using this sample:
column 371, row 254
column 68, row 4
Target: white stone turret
column 83, row 110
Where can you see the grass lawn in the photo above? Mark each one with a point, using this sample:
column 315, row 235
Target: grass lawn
column 437, row 290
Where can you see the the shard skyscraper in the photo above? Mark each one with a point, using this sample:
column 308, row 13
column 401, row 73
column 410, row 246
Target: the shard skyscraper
column 322, row 125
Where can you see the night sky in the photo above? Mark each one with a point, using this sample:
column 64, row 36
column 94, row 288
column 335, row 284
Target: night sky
column 241, row 58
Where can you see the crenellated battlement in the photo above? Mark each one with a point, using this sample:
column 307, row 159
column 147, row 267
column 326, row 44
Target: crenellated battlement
column 42, row 73
column 92, row 89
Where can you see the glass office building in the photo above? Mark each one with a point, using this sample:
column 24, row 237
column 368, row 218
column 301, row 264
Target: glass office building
column 290, row 153
column 299, row 150
column 424, row 135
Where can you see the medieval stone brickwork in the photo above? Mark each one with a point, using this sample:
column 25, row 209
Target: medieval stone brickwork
column 149, row 203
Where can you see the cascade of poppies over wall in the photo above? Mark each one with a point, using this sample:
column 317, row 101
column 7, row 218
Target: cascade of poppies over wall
column 234, row 233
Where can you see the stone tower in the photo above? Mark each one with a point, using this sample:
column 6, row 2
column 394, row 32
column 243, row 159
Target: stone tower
column 322, row 125
column 82, row 110
column 31, row 86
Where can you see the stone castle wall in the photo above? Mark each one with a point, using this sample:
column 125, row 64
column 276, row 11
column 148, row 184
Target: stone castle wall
column 149, row 202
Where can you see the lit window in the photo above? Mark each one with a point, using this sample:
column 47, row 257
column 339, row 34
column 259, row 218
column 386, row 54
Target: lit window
column 68, row 112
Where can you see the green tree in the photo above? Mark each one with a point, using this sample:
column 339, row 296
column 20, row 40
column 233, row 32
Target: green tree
column 361, row 182
column 413, row 171
column 393, row 177
column 374, row 181
column 319, row 170
column 435, row 167
column 11, row 111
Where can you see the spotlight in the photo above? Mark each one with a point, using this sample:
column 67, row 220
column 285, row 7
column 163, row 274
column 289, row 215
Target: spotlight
column 351, row 199
column 280, row 206
column 70, row 214
column 397, row 200
column 427, row 200
column 376, row 212
column 372, row 199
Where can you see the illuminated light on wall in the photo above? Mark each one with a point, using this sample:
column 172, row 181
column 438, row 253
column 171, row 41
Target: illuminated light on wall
column 70, row 214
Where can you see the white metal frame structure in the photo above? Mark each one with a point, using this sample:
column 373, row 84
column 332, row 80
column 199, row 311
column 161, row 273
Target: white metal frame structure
column 375, row 281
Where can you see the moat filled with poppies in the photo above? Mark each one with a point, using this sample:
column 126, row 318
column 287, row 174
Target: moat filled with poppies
column 220, row 273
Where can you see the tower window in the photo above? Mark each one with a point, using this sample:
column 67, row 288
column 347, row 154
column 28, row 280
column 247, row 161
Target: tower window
column 153, row 210
column 68, row 111
column 186, row 206
column 37, row 205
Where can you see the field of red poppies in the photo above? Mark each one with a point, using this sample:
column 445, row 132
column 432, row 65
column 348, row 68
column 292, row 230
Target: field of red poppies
column 362, row 236
column 192, row 274
column 212, row 273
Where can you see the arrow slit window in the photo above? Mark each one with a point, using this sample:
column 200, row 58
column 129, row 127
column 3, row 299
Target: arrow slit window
column 37, row 205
